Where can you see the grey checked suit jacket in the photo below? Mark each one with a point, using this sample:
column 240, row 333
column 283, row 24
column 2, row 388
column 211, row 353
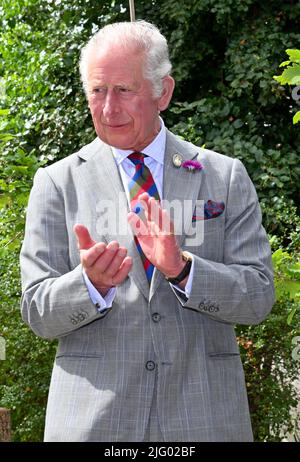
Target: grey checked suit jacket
column 102, row 383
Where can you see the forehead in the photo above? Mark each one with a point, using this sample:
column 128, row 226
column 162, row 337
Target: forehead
column 116, row 63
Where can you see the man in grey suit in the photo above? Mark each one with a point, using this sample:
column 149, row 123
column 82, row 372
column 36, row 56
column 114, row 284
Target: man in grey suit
column 143, row 299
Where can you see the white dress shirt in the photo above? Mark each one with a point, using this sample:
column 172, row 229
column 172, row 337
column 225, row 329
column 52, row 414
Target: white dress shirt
column 155, row 162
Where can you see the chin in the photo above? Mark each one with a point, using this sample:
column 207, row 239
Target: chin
column 117, row 143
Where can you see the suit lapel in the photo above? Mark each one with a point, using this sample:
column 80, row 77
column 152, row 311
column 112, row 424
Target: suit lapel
column 105, row 189
column 179, row 184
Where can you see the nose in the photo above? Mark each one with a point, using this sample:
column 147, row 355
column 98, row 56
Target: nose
column 111, row 104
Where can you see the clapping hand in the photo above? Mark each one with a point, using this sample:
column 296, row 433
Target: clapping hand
column 156, row 237
column 106, row 265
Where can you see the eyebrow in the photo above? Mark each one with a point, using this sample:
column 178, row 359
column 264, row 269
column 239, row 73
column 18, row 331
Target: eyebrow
column 132, row 84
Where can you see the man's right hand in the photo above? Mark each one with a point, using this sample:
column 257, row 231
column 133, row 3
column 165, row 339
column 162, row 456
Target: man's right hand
column 105, row 265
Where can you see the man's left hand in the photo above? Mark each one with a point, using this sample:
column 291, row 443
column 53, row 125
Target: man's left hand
column 156, row 237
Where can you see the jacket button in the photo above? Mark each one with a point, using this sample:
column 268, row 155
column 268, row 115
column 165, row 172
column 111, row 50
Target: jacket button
column 150, row 366
column 156, row 317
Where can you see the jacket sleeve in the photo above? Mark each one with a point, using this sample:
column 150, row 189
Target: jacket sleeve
column 240, row 289
column 55, row 300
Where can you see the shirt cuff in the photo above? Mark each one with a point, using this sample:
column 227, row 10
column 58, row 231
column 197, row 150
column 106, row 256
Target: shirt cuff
column 188, row 287
column 101, row 303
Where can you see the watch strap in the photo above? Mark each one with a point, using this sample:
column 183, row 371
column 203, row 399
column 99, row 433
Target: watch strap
column 185, row 271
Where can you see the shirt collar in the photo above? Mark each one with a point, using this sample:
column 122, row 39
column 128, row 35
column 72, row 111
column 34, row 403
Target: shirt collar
column 155, row 150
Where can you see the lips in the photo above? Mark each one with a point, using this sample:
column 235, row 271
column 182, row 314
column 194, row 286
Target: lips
column 114, row 126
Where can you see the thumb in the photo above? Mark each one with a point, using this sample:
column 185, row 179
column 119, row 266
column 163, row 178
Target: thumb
column 83, row 237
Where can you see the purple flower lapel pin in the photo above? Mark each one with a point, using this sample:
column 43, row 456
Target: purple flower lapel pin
column 192, row 165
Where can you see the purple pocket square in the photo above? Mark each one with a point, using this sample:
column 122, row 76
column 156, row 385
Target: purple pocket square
column 212, row 209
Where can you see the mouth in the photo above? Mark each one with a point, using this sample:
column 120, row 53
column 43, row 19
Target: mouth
column 114, row 126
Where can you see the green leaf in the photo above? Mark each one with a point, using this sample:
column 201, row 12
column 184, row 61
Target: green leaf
column 287, row 287
column 20, row 168
column 4, row 200
column 296, row 117
column 291, row 75
column 294, row 55
column 294, row 271
column 291, row 315
column 285, row 63
column 4, row 137
column 279, row 79
column 238, row 123
column 279, row 256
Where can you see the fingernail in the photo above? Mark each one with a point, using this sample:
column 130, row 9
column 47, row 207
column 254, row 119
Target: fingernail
column 100, row 248
column 113, row 246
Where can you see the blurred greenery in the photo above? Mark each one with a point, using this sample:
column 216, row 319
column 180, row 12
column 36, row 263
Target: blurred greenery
column 270, row 367
column 225, row 54
column 291, row 76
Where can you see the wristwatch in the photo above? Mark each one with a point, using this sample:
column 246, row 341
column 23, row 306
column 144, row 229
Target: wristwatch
column 188, row 259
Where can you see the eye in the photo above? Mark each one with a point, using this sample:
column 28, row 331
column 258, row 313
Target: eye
column 98, row 90
column 123, row 90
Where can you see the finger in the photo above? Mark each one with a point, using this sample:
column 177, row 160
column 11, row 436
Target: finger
column 152, row 210
column 154, row 229
column 123, row 271
column 160, row 217
column 143, row 200
column 165, row 223
column 115, row 264
column 137, row 225
column 90, row 256
column 83, row 237
column 144, row 197
column 103, row 262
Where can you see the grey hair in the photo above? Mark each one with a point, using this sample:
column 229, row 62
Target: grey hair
column 145, row 37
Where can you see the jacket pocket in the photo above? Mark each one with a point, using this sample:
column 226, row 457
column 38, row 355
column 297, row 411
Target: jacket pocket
column 78, row 355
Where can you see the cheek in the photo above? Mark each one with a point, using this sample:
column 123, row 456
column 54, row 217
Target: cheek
column 144, row 113
column 94, row 105
column 96, row 112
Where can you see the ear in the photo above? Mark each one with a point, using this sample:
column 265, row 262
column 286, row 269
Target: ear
column 168, row 88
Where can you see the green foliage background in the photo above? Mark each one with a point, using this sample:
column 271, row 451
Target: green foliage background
column 225, row 54
column 291, row 76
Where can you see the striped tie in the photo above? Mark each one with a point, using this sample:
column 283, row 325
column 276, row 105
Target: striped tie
column 141, row 182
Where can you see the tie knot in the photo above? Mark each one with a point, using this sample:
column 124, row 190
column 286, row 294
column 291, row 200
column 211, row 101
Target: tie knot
column 137, row 158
